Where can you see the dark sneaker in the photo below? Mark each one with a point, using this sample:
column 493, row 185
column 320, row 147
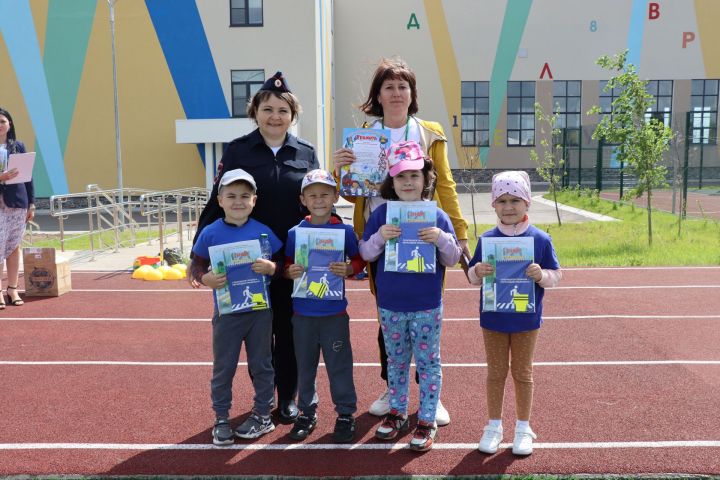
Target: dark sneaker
column 393, row 424
column 304, row 425
column 222, row 433
column 344, row 429
column 424, row 436
column 255, row 426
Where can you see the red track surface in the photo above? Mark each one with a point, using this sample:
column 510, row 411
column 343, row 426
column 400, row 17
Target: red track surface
column 617, row 362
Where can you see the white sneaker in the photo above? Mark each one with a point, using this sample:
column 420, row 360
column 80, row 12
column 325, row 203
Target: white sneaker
column 381, row 406
column 523, row 443
column 442, row 417
column 490, row 441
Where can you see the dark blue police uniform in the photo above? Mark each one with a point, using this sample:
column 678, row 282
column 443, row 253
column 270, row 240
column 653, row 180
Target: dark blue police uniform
column 278, row 178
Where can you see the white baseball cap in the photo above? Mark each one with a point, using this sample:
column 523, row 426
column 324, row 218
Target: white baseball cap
column 236, row 175
column 318, row 176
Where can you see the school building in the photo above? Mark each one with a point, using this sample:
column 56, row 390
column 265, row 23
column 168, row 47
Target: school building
column 185, row 69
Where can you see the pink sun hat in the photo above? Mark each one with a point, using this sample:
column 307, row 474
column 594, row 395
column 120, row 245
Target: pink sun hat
column 406, row 155
column 514, row 182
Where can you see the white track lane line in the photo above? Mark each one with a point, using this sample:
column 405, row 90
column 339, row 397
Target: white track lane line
column 611, row 363
column 459, row 289
column 356, row 320
column 360, row 446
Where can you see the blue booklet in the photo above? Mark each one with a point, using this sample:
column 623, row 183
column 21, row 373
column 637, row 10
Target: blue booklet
column 509, row 289
column 364, row 176
column 244, row 290
column 315, row 249
column 407, row 253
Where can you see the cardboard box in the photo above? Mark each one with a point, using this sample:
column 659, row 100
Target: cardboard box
column 46, row 275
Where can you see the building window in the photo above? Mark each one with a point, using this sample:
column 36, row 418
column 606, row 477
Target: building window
column 704, row 104
column 246, row 13
column 475, row 113
column 566, row 103
column 244, row 85
column 520, row 114
column 661, row 108
column 608, row 97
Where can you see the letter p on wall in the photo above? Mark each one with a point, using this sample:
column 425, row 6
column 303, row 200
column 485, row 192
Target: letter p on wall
column 687, row 38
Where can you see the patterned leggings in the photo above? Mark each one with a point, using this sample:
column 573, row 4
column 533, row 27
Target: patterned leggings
column 500, row 348
column 407, row 334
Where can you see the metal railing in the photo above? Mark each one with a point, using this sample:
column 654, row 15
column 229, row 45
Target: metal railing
column 124, row 213
column 186, row 204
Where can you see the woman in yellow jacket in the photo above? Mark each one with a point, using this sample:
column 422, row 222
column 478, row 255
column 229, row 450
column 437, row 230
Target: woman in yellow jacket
column 393, row 101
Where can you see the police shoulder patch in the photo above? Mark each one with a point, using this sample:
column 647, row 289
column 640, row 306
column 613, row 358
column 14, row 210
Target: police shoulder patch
column 305, row 142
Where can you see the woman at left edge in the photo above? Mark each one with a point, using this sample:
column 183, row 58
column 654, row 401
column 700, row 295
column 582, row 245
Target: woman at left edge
column 17, row 207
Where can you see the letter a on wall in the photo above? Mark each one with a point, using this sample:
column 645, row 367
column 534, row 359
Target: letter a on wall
column 413, row 22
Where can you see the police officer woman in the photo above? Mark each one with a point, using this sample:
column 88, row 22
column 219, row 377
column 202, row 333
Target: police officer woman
column 278, row 161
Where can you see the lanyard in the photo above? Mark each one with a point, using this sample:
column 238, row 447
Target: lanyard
column 407, row 125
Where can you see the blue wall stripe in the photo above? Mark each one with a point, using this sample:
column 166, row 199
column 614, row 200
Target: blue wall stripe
column 635, row 34
column 187, row 52
column 18, row 30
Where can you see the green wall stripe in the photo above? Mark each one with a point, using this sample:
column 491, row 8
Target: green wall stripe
column 516, row 15
column 69, row 24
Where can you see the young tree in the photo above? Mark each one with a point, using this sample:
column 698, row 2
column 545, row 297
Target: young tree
column 471, row 162
column 550, row 165
column 641, row 140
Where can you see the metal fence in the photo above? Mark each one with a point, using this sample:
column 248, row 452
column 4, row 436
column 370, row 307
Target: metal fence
column 116, row 217
column 692, row 159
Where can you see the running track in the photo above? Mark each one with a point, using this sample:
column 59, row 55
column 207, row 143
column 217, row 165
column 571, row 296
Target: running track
column 112, row 379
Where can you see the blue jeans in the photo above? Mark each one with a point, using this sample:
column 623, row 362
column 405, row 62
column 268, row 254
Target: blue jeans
column 407, row 334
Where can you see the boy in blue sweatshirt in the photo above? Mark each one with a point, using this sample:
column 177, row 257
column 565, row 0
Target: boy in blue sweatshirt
column 320, row 324
column 237, row 197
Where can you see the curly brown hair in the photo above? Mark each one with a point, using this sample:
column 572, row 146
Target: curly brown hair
column 390, row 69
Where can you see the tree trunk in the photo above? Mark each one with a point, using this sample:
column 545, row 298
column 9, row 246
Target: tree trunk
column 557, row 210
column 649, row 212
column 472, row 203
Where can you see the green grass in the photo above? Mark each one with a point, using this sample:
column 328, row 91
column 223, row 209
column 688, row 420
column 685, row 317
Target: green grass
column 82, row 242
column 625, row 243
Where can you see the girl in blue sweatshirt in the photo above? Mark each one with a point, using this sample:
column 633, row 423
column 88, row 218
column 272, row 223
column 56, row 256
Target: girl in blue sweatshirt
column 410, row 304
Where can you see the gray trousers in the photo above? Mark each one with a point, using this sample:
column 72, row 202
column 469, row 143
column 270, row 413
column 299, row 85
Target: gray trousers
column 229, row 332
column 331, row 335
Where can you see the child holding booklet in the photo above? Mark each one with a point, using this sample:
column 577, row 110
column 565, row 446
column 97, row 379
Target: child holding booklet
column 236, row 196
column 410, row 304
column 321, row 323
column 513, row 335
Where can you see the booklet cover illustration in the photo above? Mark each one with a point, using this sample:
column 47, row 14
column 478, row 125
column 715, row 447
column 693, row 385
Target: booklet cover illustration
column 315, row 249
column 509, row 289
column 407, row 253
column 365, row 175
column 244, row 290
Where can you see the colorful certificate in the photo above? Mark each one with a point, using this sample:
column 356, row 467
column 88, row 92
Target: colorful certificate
column 315, row 249
column 244, row 290
column 407, row 253
column 364, row 176
column 509, row 290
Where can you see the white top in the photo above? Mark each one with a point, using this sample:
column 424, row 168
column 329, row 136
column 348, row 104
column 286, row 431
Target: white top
column 3, row 157
column 396, row 135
